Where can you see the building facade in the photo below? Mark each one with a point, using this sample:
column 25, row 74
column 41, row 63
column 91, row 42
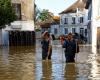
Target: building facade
column 20, row 32
column 96, row 26
column 73, row 19
column 93, row 7
column 55, row 29
column 89, row 26
column 24, row 9
column 73, row 23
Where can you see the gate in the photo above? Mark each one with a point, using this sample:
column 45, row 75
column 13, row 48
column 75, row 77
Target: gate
column 21, row 38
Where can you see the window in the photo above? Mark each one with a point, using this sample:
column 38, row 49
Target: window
column 85, row 32
column 17, row 8
column 66, row 30
column 65, row 20
column 55, row 30
column 73, row 30
column 73, row 20
column 81, row 31
column 81, row 19
column 61, row 21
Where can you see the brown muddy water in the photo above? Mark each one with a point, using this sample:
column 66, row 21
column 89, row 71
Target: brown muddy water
column 25, row 63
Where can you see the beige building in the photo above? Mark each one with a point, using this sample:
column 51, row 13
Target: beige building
column 23, row 27
column 24, row 9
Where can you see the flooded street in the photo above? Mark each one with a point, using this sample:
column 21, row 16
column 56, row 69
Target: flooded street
column 17, row 63
column 25, row 63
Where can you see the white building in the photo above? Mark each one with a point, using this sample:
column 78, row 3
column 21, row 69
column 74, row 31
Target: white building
column 74, row 19
column 4, row 37
column 89, row 27
column 55, row 27
column 95, row 26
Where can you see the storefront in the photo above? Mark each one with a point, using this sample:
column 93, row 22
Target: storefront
column 21, row 33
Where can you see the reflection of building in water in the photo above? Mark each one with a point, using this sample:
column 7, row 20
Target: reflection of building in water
column 95, row 71
column 22, row 49
column 46, row 70
column 98, row 39
column 70, row 72
column 4, row 52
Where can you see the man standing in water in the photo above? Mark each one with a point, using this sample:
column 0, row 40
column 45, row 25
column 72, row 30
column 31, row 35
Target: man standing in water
column 70, row 46
column 46, row 46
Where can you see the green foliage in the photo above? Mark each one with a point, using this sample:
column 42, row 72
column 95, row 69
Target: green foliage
column 37, row 30
column 45, row 15
column 7, row 14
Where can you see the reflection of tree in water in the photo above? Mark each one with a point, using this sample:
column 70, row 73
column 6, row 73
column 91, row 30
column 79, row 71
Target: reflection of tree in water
column 69, row 72
column 46, row 70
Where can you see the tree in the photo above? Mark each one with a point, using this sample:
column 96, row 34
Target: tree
column 7, row 14
column 45, row 16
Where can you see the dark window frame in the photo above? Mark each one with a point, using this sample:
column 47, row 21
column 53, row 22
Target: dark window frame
column 55, row 31
column 81, row 19
column 73, row 30
column 73, row 19
column 66, row 30
column 65, row 20
column 17, row 8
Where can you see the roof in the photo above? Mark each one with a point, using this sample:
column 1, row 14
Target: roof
column 73, row 8
column 56, row 18
column 46, row 24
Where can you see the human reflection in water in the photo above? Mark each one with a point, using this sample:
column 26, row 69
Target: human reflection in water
column 70, row 72
column 46, row 70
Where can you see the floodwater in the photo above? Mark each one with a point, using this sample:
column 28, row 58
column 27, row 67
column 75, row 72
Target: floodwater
column 25, row 63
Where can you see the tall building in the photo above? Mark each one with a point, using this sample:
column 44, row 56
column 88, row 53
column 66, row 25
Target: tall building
column 73, row 19
column 24, row 9
column 89, row 27
column 21, row 31
column 95, row 26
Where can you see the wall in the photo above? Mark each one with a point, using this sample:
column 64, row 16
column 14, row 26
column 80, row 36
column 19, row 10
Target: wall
column 4, row 37
column 95, row 24
column 0, row 36
column 53, row 27
column 27, row 9
column 77, row 24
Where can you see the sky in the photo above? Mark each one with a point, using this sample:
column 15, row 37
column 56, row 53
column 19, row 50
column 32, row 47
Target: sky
column 54, row 6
